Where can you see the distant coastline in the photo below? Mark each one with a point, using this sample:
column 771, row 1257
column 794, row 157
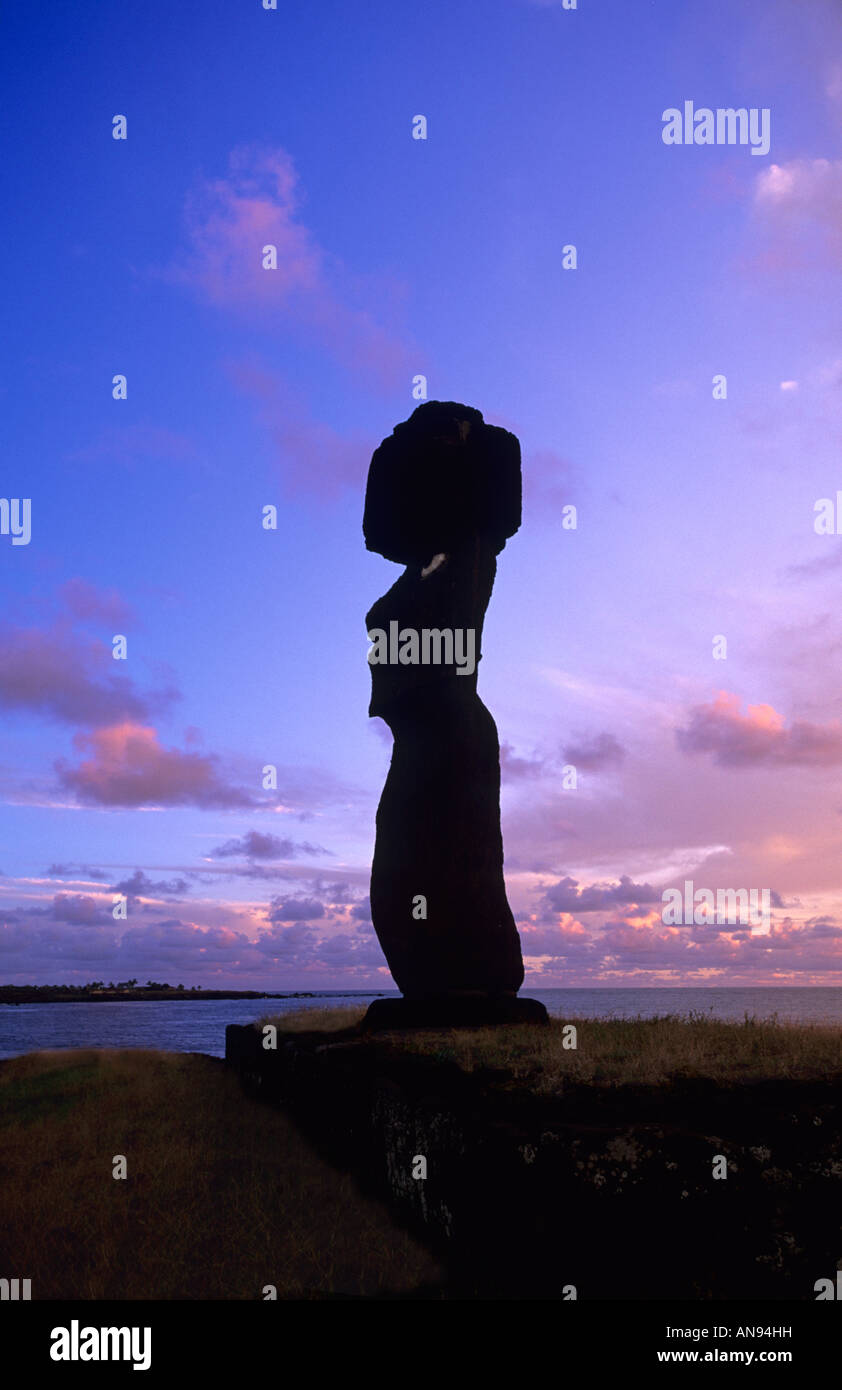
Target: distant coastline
column 83, row 994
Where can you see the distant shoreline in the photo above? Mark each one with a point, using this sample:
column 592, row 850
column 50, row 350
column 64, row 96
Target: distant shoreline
column 58, row 994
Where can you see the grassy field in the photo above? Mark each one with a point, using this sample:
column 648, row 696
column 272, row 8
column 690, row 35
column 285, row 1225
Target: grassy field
column 222, row 1197
column 612, row 1052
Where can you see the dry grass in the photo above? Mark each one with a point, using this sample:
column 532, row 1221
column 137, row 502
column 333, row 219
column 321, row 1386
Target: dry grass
column 314, row 1020
column 223, row 1195
column 614, row 1052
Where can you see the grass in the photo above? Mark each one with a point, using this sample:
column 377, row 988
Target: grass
column 612, row 1052
column 223, row 1195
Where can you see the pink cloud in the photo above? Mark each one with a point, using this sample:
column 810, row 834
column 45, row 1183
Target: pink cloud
column 301, row 947
column 72, row 936
column 313, row 457
column 88, row 603
column 60, row 674
column 602, row 751
column 558, row 940
column 791, row 949
column 638, row 948
column 801, row 204
column 75, row 908
column 131, row 444
column 515, row 769
column 256, row 845
column 549, row 479
column 295, row 909
column 229, row 222
column 758, row 737
column 129, row 767
column 567, row 896
column 592, row 754
column 139, row 884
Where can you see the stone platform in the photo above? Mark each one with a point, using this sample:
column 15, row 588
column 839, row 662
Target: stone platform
column 590, row 1192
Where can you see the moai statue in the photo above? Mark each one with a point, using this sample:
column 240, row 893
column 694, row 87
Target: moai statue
column 443, row 496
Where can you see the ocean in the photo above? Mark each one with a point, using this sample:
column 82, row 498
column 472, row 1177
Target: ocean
column 199, row 1025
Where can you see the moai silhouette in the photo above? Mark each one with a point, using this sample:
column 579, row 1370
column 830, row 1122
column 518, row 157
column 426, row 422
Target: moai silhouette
column 443, row 496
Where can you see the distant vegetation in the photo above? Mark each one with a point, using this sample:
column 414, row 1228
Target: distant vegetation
column 611, row 1052
column 222, row 1196
column 95, row 987
column 130, row 989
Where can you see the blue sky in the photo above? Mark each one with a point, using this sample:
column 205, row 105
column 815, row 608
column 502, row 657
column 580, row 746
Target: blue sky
column 248, row 387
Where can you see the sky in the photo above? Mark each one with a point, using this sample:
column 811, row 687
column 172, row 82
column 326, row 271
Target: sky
column 679, row 388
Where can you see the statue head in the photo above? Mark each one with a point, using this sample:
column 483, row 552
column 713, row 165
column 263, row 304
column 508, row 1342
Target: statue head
column 442, row 476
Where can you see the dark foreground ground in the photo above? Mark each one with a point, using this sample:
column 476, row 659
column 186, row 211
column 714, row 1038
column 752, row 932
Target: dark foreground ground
column 550, row 1168
column 223, row 1196
column 642, row 1159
